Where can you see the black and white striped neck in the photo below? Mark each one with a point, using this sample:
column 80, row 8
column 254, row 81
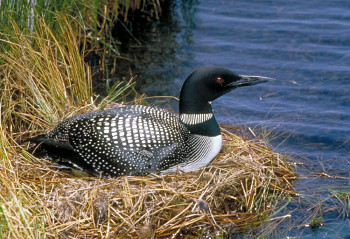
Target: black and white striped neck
column 203, row 124
column 197, row 115
column 196, row 111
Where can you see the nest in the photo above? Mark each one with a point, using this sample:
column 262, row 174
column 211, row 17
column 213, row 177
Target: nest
column 238, row 189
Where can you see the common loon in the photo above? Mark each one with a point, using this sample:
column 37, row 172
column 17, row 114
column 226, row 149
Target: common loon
column 137, row 140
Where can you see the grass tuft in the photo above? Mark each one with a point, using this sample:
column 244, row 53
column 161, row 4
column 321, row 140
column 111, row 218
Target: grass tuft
column 43, row 77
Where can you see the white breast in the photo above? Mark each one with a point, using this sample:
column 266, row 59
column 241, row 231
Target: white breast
column 206, row 150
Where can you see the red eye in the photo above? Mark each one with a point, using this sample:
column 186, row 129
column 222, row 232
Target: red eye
column 219, row 80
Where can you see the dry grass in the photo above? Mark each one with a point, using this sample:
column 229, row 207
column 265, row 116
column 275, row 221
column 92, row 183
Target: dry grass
column 44, row 79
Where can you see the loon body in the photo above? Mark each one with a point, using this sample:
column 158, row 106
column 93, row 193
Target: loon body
column 137, row 140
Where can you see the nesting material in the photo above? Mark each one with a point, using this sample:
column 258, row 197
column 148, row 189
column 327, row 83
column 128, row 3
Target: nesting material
column 239, row 188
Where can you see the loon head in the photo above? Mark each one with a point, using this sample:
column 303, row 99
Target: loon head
column 207, row 84
column 203, row 86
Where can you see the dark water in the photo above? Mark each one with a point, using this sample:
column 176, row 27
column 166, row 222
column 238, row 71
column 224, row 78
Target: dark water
column 305, row 46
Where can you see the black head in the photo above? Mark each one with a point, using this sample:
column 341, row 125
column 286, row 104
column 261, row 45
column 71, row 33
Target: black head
column 208, row 83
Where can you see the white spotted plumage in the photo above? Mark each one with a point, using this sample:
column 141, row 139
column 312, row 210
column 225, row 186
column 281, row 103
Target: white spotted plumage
column 135, row 140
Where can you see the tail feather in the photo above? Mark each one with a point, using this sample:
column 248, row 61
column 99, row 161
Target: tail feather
column 37, row 139
column 59, row 152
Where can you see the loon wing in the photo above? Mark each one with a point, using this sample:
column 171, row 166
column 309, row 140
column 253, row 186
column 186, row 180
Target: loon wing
column 128, row 140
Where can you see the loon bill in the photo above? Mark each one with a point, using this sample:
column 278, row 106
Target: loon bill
column 137, row 140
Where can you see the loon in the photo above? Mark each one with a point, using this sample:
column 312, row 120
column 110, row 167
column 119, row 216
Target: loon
column 138, row 140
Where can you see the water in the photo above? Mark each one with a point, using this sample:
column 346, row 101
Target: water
column 305, row 46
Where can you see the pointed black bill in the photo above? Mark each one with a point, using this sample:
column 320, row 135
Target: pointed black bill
column 246, row 80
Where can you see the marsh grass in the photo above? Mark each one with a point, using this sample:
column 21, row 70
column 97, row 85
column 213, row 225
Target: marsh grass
column 343, row 201
column 98, row 20
column 43, row 77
